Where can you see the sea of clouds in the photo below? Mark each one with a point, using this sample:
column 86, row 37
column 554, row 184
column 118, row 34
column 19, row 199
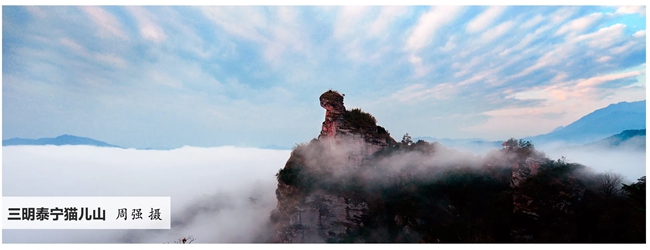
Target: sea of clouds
column 211, row 189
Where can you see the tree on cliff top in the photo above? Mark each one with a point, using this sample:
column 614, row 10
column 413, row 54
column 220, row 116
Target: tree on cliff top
column 361, row 120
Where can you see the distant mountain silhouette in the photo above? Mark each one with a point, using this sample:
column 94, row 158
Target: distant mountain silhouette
column 632, row 139
column 598, row 124
column 59, row 140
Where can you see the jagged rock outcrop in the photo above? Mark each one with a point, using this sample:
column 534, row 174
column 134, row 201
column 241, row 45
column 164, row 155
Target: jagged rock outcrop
column 355, row 183
column 341, row 123
column 528, row 203
column 346, row 140
column 332, row 102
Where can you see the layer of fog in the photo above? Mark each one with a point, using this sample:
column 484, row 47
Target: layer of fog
column 627, row 159
column 219, row 195
column 211, row 188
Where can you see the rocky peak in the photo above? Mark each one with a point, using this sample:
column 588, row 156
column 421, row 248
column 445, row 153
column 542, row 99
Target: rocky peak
column 332, row 102
column 342, row 123
column 356, row 184
column 347, row 139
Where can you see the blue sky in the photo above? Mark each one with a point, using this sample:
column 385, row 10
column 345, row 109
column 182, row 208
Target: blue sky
column 251, row 76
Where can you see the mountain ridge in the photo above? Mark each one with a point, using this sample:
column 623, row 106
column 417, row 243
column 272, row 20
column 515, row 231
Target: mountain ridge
column 597, row 125
column 61, row 140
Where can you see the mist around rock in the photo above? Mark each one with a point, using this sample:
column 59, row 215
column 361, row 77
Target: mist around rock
column 228, row 194
column 421, row 192
column 218, row 195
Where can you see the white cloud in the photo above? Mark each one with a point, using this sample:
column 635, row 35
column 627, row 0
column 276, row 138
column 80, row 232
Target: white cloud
column 532, row 22
column 622, row 48
column 598, row 80
column 387, row 15
column 346, row 22
column 285, row 35
column 111, row 59
column 107, row 23
column 473, row 79
column 541, row 30
column 210, row 188
column 522, row 44
column 73, row 45
column 240, row 21
column 484, row 19
column 163, row 78
column 552, row 57
column 603, row 37
column 564, row 102
column 487, row 76
column 287, row 14
column 420, row 69
column 631, row 10
column 415, row 59
column 561, row 15
column 451, row 44
column 424, row 30
column 577, row 25
column 604, row 59
column 581, row 90
column 428, row 24
column 36, row 11
column 148, row 28
column 420, row 92
column 497, row 31
column 276, row 34
column 467, row 67
column 639, row 33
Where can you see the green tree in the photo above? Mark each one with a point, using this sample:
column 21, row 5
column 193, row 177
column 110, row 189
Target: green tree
column 636, row 192
column 406, row 140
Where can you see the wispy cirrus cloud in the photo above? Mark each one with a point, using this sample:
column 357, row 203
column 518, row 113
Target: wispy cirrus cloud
column 427, row 25
column 206, row 74
column 347, row 20
column 484, row 19
column 108, row 25
column 387, row 15
column 639, row 9
column 639, row 33
column 580, row 24
column 423, row 32
column 277, row 32
column 149, row 30
column 532, row 22
column 604, row 37
column 497, row 31
column 419, row 92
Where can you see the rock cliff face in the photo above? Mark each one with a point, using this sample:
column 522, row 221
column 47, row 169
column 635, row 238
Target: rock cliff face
column 346, row 141
column 355, row 183
column 332, row 102
column 528, row 204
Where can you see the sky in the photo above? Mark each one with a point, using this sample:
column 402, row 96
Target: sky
column 250, row 76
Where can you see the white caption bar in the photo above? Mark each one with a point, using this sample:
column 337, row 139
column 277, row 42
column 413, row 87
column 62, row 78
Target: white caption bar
column 86, row 212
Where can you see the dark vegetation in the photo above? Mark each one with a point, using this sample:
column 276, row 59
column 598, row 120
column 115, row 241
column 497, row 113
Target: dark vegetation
column 472, row 200
column 358, row 119
column 363, row 123
column 184, row 240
